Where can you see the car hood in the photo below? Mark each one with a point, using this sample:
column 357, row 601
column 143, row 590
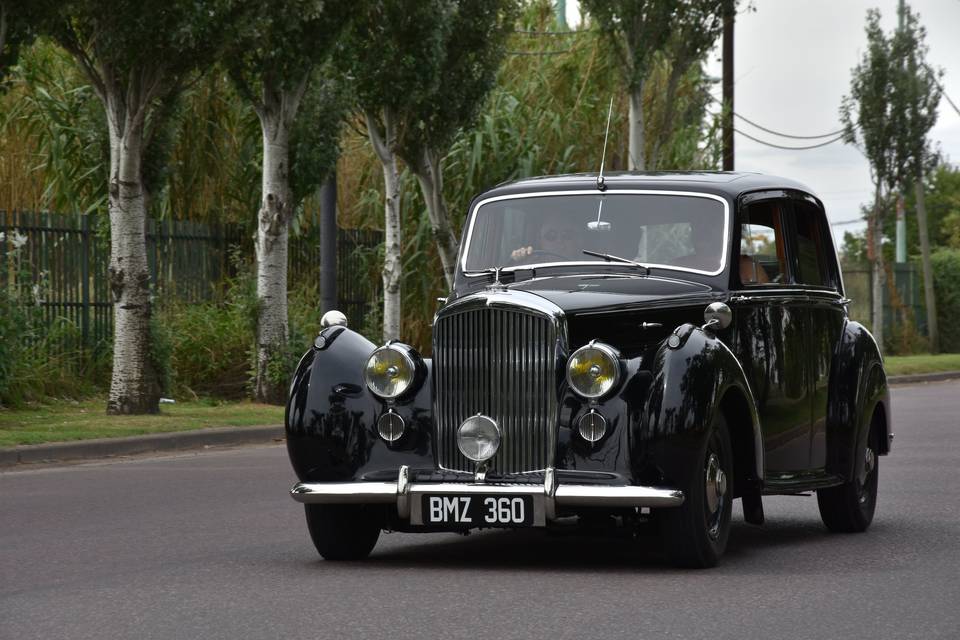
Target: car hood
column 600, row 292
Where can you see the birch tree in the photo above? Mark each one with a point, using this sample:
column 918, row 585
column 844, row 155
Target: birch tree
column 870, row 122
column 473, row 47
column 393, row 52
column 137, row 54
column 273, row 62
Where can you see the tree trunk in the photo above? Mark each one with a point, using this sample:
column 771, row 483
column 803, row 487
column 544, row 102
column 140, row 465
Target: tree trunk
column 637, row 140
column 928, row 290
column 429, row 174
column 271, row 248
column 134, row 386
column 384, row 144
column 667, row 118
column 875, row 249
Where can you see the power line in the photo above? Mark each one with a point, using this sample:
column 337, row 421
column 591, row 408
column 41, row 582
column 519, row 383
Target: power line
column 780, row 146
column 787, row 135
column 778, row 133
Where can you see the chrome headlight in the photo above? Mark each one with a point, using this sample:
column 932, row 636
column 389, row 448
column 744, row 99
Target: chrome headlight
column 390, row 371
column 593, row 370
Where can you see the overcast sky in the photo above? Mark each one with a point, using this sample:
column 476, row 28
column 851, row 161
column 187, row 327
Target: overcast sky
column 792, row 67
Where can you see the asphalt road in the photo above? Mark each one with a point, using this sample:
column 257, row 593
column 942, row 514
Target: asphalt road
column 209, row 546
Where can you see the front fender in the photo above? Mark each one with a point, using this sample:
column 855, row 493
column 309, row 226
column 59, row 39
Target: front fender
column 331, row 416
column 858, row 386
column 695, row 376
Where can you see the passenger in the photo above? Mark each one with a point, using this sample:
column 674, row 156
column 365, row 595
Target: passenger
column 558, row 240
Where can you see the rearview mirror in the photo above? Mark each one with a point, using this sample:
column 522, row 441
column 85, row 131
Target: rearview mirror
column 599, row 225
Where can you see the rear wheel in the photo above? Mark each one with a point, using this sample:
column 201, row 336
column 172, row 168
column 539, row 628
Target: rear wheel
column 849, row 508
column 695, row 534
column 343, row 531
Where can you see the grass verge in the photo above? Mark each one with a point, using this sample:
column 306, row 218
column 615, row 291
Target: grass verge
column 922, row 363
column 63, row 420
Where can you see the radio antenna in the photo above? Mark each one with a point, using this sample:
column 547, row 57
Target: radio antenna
column 600, row 184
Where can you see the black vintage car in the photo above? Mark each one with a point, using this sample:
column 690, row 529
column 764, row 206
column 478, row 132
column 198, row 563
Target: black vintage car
column 633, row 349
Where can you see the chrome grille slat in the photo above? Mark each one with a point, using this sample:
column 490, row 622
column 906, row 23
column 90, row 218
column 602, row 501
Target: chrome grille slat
column 499, row 362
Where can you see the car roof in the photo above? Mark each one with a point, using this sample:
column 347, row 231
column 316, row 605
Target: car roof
column 730, row 184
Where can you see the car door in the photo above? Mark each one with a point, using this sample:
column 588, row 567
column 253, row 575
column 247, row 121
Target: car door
column 817, row 271
column 770, row 325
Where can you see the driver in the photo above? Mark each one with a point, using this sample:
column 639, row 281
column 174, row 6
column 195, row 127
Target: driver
column 556, row 239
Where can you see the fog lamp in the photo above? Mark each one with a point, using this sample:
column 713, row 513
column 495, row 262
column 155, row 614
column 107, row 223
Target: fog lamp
column 593, row 370
column 478, row 438
column 592, row 426
column 390, row 426
column 390, row 371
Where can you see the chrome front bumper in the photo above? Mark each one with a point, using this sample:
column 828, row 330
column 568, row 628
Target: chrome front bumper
column 547, row 497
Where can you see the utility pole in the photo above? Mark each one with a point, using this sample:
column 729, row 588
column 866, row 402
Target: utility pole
column 729, row 16
column 901, row 244
column 561, row 15
column 328, row 243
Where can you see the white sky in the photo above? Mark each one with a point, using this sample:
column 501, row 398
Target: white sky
column 792, row 66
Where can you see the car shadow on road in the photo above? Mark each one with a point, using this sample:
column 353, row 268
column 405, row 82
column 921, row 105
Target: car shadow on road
column 750, row 549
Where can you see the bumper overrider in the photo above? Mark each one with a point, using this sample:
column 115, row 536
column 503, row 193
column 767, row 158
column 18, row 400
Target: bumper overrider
column 406, row 495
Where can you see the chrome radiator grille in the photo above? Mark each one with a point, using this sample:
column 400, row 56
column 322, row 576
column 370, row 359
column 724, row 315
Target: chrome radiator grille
column 502, row 363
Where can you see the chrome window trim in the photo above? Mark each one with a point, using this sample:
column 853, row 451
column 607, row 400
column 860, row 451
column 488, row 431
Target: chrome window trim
column 594, row 192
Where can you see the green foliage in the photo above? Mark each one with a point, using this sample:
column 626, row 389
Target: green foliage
column 280, row 43
column 946, row 282
column 55, row 113
column 943, row 206
column 212, row 342
column 315, row 136
column 637, row 30
column 474, row 35
column 867, row 113
column 393, row 51
column 161, row 352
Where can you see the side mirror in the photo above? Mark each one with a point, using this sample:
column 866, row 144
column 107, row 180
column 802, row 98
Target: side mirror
column 717, row 316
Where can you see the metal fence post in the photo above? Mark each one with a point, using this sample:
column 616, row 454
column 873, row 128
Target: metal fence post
column 85, row 280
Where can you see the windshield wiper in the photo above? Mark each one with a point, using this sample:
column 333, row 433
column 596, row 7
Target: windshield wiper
column 612, row 258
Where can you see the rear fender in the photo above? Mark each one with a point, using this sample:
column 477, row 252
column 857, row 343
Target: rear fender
column 858, row 387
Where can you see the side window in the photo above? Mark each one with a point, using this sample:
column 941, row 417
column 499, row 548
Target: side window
column 811, row 247
column 762, row 259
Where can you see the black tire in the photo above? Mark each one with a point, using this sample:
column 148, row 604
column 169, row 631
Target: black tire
column 343, row 531
column 695, row 534
column 849, row 507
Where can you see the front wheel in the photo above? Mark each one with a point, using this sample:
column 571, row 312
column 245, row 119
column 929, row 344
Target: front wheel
column 343, row 531
column 849, row 507
column 695, row 533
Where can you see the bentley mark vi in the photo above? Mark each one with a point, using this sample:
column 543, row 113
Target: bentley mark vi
column 640, row 349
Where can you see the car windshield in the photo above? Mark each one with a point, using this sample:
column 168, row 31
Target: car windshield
column 676, row 231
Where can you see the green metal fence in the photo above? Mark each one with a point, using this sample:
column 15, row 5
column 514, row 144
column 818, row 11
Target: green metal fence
column 61, row 262
column 902, row 302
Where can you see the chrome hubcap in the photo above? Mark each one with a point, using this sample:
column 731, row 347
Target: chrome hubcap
column 715, row 490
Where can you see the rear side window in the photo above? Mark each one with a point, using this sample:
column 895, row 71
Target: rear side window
column 813, row 247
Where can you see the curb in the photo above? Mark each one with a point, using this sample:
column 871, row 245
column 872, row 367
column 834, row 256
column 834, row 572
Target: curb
column 923, row 377
column 112, row 447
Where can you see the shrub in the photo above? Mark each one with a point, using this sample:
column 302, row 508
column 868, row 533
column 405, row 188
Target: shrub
column 946, row 282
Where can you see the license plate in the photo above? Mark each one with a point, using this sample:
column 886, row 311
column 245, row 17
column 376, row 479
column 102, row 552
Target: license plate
column 477, row 510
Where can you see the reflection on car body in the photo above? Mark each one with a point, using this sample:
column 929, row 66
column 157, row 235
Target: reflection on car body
column 655, row 351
